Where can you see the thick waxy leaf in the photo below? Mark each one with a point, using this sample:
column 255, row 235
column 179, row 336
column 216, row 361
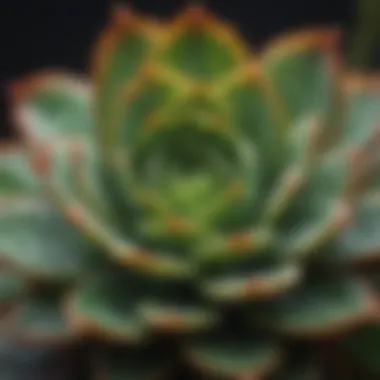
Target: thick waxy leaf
column 254, row 110
column 106, row 306
column 76, row 176
column 121, row 51
column 364, row 347
column 39, row 318
column 327, row 306
column 137, row 107
column 52, row 106
column 360, row 242
column 201, row 47
column 143, row 363
column 363, row 99
column 16, row 176
column 234, row 357
column 301, row 68
column 176, row 307
column 253, row 284
column 40, row 242
column 319, row 212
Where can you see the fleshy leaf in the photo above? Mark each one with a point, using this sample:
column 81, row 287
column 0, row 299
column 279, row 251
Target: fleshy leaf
column 320, row 211
column 254, row 107
column 16, row 176
column 301, row 67
column 254, row 111
column 363, row 99
column 121, row 51
column 253, row 284
column 323, row 307
column 176, row 307
column 364, row 347
column 235, row 357
column 201, row 47
column 106, row 306
column 35, row 238
column 143, row 363
column 52, row 106
column 138, row 105
column 360, row 242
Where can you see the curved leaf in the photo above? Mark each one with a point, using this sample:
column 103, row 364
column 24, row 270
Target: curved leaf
column 301, row 66
column 360, row 242
column 363, row 99
column 200, row 46
column 253, row 284
column 235, row 357
column 322, row 307
column 51, row 106
column 175, row 306
column 40, row 242
column 16, row 175
column 106, row 306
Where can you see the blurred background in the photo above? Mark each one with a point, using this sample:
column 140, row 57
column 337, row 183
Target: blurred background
column 58, row 33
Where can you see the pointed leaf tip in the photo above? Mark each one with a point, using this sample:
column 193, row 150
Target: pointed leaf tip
column 199, row 44
column 242, row 357
column 194, row 16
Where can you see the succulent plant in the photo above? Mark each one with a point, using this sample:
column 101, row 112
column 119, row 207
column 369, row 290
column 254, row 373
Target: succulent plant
column 193, row 201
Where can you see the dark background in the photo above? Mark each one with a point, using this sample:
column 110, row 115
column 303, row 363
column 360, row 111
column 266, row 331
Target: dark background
column 58, row 33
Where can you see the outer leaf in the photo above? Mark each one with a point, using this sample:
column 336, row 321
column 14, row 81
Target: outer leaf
column 37, row 239
column 363, row 100
column 254, row 110
column 323, row 307
column 234, row 358
column 321, row 210
column 16, row 176
column 301, row 67
column 52, row 106
column 360, row 242
column 252, row 282
column 175, row 307
column 107, row 306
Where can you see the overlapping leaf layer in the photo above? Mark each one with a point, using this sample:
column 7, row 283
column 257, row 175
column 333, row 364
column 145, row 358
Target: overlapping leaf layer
column 193, row 192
